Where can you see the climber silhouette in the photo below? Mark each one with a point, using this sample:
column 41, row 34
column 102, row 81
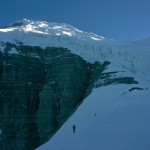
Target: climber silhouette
column 74, row 128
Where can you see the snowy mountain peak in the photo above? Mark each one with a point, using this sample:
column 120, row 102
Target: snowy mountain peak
column 91, row 47
column 43, row 27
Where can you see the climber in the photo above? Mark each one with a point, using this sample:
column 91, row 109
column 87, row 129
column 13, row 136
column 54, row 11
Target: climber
column 74, row 128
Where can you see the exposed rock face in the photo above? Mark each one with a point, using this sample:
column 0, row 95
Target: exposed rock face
column 40, row 89
column 21, row 81
column 66, row 81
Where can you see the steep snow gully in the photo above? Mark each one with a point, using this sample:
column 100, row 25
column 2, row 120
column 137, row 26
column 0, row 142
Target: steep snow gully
column 62, row 88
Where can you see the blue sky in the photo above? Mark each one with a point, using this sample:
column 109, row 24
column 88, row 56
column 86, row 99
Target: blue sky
column 117, row 19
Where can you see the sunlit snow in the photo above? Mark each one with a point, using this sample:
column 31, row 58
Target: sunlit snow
column 7, row 29
column 30, row 28
column 43, row 24
column 94, row 38
column 57, row 27
column 57, row 34
column 67, row 33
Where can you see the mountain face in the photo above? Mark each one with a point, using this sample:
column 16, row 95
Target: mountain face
column 48, row 69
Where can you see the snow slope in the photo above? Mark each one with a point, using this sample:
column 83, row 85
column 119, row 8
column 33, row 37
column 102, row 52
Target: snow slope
column 107, row 120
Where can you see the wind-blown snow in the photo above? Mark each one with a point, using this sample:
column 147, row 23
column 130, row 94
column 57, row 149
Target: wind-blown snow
column 107, row 120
